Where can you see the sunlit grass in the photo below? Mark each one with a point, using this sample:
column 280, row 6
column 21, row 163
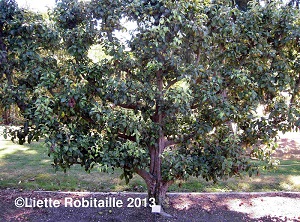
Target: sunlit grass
column 7, row 147
column 29, row 167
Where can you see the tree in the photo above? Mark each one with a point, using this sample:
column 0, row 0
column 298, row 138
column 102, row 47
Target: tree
column 179, row 99
column 26, row 43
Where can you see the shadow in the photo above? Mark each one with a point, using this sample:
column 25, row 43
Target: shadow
column 183, row 207
column 29, row 167
column 236, row 207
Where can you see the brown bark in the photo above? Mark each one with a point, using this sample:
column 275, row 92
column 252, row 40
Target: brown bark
column 155, row 190
column 156, row 186
column 152, row 152
column 6, row 116
column 124, row 136
column 160, row 148
column 161, row 194
column 149, row 179
column 295, row 92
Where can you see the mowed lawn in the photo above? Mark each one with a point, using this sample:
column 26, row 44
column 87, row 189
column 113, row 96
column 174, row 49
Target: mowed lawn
column 28, row 167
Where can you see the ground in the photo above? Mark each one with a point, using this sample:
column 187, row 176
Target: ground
column 275, row 206
column 231, row 207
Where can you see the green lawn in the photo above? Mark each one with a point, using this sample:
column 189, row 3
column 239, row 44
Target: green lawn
column 28, row 167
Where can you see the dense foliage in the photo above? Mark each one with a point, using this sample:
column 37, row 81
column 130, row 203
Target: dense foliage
column 180, row 98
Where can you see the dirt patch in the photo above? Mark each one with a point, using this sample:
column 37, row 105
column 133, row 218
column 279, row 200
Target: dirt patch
column 183, row 207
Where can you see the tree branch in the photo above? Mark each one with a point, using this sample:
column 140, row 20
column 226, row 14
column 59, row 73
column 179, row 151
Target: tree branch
column 144, row 174
column 128, row 106
column 198, row 57
column 170, row 84
column 194, row 106
column 126, row 137
column 149, row 179
column 88, row 119
column 173, row 142
column 170, row 143
column 124, row 105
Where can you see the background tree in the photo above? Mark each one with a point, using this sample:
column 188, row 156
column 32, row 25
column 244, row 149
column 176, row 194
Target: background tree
column 179, row 99
column 27, row 44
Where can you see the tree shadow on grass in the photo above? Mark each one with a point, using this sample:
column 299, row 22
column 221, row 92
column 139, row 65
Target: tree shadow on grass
column 28, row 166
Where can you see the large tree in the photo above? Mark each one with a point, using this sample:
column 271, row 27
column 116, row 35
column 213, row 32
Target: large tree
column 179, row 99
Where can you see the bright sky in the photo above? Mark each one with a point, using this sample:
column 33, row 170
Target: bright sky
column 41, row 5
column 36, row 5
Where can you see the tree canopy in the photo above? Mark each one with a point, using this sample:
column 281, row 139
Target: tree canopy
column 180, row 98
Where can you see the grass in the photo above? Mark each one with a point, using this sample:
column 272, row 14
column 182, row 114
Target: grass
column 28, row 167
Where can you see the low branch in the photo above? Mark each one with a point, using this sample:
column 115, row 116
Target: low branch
column 170, row 84
column 144, row 174
column 296, row 89
column 124, row 105
column 128, row 106
column 198, row 57
column 126, row 137
column 188, row 137
column 194, row 106
column 168, row 183
column 22, row 106
column 149, row 179
column 88, row 119
column 168, row 143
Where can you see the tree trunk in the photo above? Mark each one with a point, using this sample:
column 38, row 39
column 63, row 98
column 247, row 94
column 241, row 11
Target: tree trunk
column 155, row 190
column 6, row 116
column 157, row 187
column 159, row 194
column 160, row 191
